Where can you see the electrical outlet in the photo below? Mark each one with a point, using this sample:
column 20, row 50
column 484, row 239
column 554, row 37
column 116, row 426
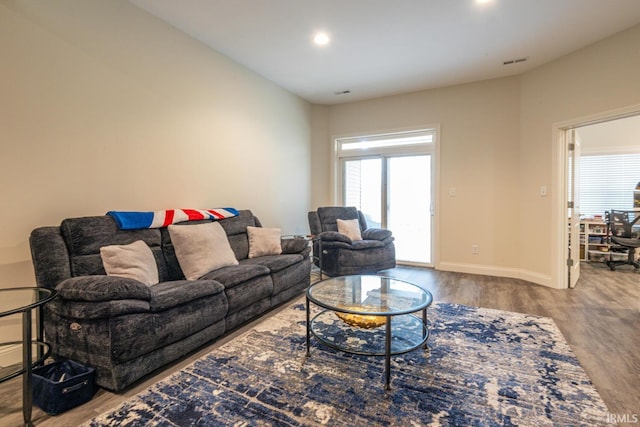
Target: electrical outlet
column 475, row 249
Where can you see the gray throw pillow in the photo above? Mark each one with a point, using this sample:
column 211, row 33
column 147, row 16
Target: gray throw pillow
column 133, row 261
column 264, row 241
column 350, row 228
column 201, row 248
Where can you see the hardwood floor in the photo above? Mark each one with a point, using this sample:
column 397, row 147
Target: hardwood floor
column 600, row 319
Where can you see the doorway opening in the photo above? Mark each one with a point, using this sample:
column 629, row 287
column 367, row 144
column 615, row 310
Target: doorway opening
column 572, row 134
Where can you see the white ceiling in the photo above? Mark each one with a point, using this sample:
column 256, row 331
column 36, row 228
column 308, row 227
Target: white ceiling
column 384, row 47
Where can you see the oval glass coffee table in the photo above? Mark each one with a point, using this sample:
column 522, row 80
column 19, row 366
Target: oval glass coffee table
column 369, row 315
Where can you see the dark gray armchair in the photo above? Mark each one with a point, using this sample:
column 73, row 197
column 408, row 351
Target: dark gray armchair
column 340, row 255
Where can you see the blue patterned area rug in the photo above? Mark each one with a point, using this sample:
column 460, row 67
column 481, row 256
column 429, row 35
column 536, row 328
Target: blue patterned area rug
column 484, row 367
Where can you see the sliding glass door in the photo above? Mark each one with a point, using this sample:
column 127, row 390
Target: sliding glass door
column 394, row 192
column 363, row 188
column 409, row 206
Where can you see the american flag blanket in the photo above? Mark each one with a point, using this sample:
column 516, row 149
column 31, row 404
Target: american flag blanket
column 138, row 220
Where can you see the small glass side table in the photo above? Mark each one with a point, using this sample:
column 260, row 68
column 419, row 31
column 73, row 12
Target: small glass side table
column 24, row 300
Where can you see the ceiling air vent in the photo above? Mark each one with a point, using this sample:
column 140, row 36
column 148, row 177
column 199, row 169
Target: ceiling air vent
column 515, row 61
column 342, row 92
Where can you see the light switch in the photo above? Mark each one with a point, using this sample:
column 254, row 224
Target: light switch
column 452, row 191
column 543, row 191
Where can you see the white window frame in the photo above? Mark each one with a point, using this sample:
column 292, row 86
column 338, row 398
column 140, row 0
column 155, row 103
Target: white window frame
column 338, row 155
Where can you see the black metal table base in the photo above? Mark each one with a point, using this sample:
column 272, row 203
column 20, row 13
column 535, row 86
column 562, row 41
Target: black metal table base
column 387, row 347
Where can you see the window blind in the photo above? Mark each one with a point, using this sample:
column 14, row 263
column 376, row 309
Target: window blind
column 607, row 182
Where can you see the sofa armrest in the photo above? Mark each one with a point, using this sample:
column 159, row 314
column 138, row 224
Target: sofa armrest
column 102, row 288
column 376, row 234
column 50, row 257
column 294, row 245
column 333, row 236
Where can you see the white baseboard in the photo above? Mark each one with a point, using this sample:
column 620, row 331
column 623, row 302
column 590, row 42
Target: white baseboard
column 513, row 273
column 10, row 355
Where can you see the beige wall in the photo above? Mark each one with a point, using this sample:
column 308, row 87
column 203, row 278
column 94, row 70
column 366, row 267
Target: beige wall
column 479, row 129
column 104, row 107
column 321, row 148
column 496, row 148
column 592, row 81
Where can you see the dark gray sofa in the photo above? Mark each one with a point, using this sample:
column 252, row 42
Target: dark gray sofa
column 125, row 329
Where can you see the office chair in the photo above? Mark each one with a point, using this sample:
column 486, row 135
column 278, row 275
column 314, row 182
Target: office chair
column 623, row 238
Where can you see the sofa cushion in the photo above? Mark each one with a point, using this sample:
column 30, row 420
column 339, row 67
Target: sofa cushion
column 134, row 261
column 119, row 339
column 102, row 288
column 294, row 245
column 94, row 310
column 86, row 235
column 201, row 248
column 234, row 275
column 162, row 329
column 246, row 296
column 236, row 229
column 170, row 294
column 275, row 262
column 264, row 241
column 290, row 278
column 244, row 284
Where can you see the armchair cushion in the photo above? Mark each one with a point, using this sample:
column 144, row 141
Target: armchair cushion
column 376, row 234
column 327, row 216
column 350, row 228
column 102, row 288
column 332, row 244
column 334, row 236
column 366, row 244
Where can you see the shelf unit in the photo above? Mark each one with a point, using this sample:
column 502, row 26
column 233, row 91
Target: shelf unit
column 594, row 242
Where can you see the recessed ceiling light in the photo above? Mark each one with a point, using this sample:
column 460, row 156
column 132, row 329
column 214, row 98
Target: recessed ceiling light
column 321, row 39
column 483, row 1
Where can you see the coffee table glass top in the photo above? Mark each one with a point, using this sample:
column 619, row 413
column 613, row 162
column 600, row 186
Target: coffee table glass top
column 371, row 295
